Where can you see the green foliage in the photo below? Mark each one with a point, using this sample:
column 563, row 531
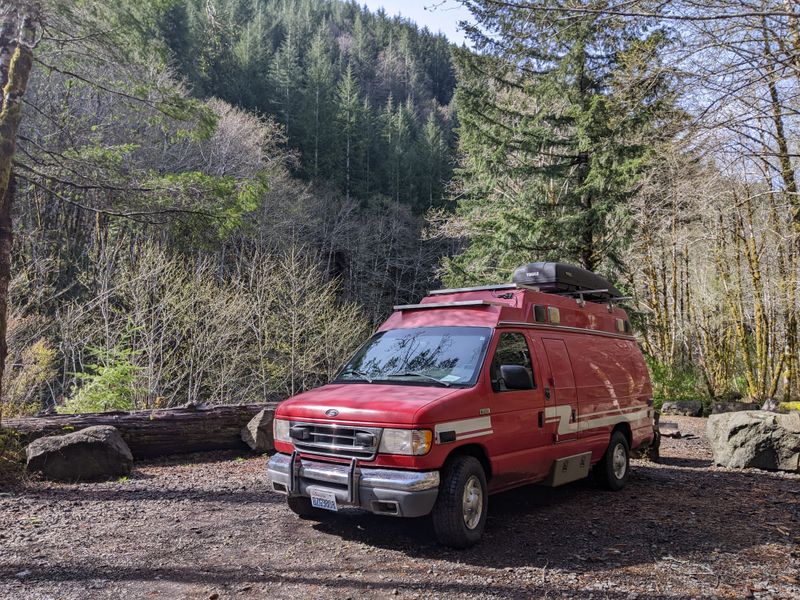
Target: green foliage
column 789, row 406
column 12, row 455
column 327, row 71
column 28, row 378
column 672, row 383
column 109, row 384
column 559, row 121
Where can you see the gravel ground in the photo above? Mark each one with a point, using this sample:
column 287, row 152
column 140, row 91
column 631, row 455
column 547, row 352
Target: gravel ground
column 206, row 526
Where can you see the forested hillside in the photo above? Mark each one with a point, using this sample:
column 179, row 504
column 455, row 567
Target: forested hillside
column 363, row 98
column 216, row 200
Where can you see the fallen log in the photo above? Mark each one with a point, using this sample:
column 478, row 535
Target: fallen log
column 151, row 433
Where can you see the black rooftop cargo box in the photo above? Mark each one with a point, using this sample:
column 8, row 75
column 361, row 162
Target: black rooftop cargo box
column 556, row 277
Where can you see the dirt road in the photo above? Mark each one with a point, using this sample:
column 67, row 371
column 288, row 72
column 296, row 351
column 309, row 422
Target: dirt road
column 207, row 527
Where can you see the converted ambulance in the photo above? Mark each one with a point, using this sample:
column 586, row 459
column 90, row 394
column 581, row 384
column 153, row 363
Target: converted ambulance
column 470, row 392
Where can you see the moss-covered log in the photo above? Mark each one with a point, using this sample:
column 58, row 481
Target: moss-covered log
column 153, row 433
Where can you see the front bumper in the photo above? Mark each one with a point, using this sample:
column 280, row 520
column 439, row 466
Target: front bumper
column 381, row 491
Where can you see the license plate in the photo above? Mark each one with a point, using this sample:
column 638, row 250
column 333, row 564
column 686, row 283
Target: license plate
column 323, row 499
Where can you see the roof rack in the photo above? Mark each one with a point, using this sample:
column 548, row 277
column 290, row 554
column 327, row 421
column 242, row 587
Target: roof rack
column 480, row 288
column 446, row 304
column 579, row 294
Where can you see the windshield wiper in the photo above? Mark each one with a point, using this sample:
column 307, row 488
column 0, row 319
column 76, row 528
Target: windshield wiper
column 415, row 374
column 357, row 373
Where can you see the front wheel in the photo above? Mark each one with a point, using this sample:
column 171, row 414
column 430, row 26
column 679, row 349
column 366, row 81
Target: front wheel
column 459, row 515
column 612, row 470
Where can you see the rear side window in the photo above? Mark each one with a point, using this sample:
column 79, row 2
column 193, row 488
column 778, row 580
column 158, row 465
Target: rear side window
column 554, row 314
column 512, row 349
column 623, row 326
column 539, row 313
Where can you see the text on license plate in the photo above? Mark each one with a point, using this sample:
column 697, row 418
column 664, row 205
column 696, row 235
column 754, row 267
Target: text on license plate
column 323, row 499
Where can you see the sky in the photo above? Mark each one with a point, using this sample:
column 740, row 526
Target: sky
column 436, row 15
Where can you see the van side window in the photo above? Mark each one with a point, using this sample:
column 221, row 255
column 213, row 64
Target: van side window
column 539, row 314
column 512, row 349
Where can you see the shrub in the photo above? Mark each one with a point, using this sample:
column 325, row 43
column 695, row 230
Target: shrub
column 789, row 406
column 108, row 385
column 12, row 455
column 673, row 383
column 29, row 378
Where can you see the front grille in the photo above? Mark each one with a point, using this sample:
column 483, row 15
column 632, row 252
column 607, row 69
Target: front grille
column 337, row 440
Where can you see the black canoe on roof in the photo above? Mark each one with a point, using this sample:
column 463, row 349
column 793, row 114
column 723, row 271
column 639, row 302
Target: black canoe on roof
column 554, row 277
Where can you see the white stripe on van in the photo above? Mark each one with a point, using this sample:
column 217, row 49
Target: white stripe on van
column 563, row 414
column 466, row 428
column 609, row 411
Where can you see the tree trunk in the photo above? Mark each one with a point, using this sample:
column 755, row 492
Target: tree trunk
column 19, row 69
column 157, row 432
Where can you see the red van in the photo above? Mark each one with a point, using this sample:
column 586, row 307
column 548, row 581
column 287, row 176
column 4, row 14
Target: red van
column 470, row 392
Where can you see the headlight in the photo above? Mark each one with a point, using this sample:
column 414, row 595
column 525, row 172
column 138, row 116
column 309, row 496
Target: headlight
column 280, row 430
column 406, row 441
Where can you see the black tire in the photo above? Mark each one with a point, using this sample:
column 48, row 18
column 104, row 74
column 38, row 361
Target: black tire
column 605, row 473
column 301, row 506
column 452, row 520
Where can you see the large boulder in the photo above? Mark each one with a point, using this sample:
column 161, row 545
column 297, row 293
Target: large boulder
column 93, row 453
column 258, row 432
column 755, row 439
column 688, row 408
column 726, row 407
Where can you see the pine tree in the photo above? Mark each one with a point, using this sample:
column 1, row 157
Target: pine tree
column 558, row 122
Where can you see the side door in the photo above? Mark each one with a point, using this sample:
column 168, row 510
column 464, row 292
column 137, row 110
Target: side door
column 516, row 403
column 561, row 398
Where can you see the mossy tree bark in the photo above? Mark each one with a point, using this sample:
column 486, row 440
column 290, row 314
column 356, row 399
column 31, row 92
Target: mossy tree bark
column 17, row 36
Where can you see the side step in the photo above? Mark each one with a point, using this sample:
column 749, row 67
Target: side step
column 569, row 468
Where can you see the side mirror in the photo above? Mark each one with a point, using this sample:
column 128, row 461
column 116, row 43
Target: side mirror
column 516, row 377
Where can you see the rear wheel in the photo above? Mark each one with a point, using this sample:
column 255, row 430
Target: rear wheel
column 301, row 506
column 612, row 470
column 459, row 515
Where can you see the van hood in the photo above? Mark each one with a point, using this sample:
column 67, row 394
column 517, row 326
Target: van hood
column 363, row 402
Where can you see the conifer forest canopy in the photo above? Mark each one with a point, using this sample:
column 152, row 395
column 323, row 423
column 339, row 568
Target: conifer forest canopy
column 218, row 200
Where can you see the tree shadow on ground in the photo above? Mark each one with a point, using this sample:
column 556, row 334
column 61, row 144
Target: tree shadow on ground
column 333, row 580
column 663, row 511
column 674, row 461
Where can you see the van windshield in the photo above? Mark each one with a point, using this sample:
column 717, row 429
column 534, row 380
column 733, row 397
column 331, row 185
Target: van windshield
column 446, row 356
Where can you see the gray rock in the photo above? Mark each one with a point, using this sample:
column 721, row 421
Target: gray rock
column 755, row 439
column 688, row 408
column 93, row 453
column 258, row 432
column 771, row 404
column 726, row 407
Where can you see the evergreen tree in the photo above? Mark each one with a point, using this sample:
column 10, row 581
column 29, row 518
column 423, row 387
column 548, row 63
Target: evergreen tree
column 320, row 106
column 432, row 168
column 286, row 75
column 559, row 120
column 349, row 108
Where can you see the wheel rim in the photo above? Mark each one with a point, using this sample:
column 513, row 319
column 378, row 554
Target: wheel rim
column 472, row 502
column 619, row 461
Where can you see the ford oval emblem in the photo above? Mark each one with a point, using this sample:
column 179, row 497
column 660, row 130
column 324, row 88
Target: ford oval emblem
column 332, row 412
